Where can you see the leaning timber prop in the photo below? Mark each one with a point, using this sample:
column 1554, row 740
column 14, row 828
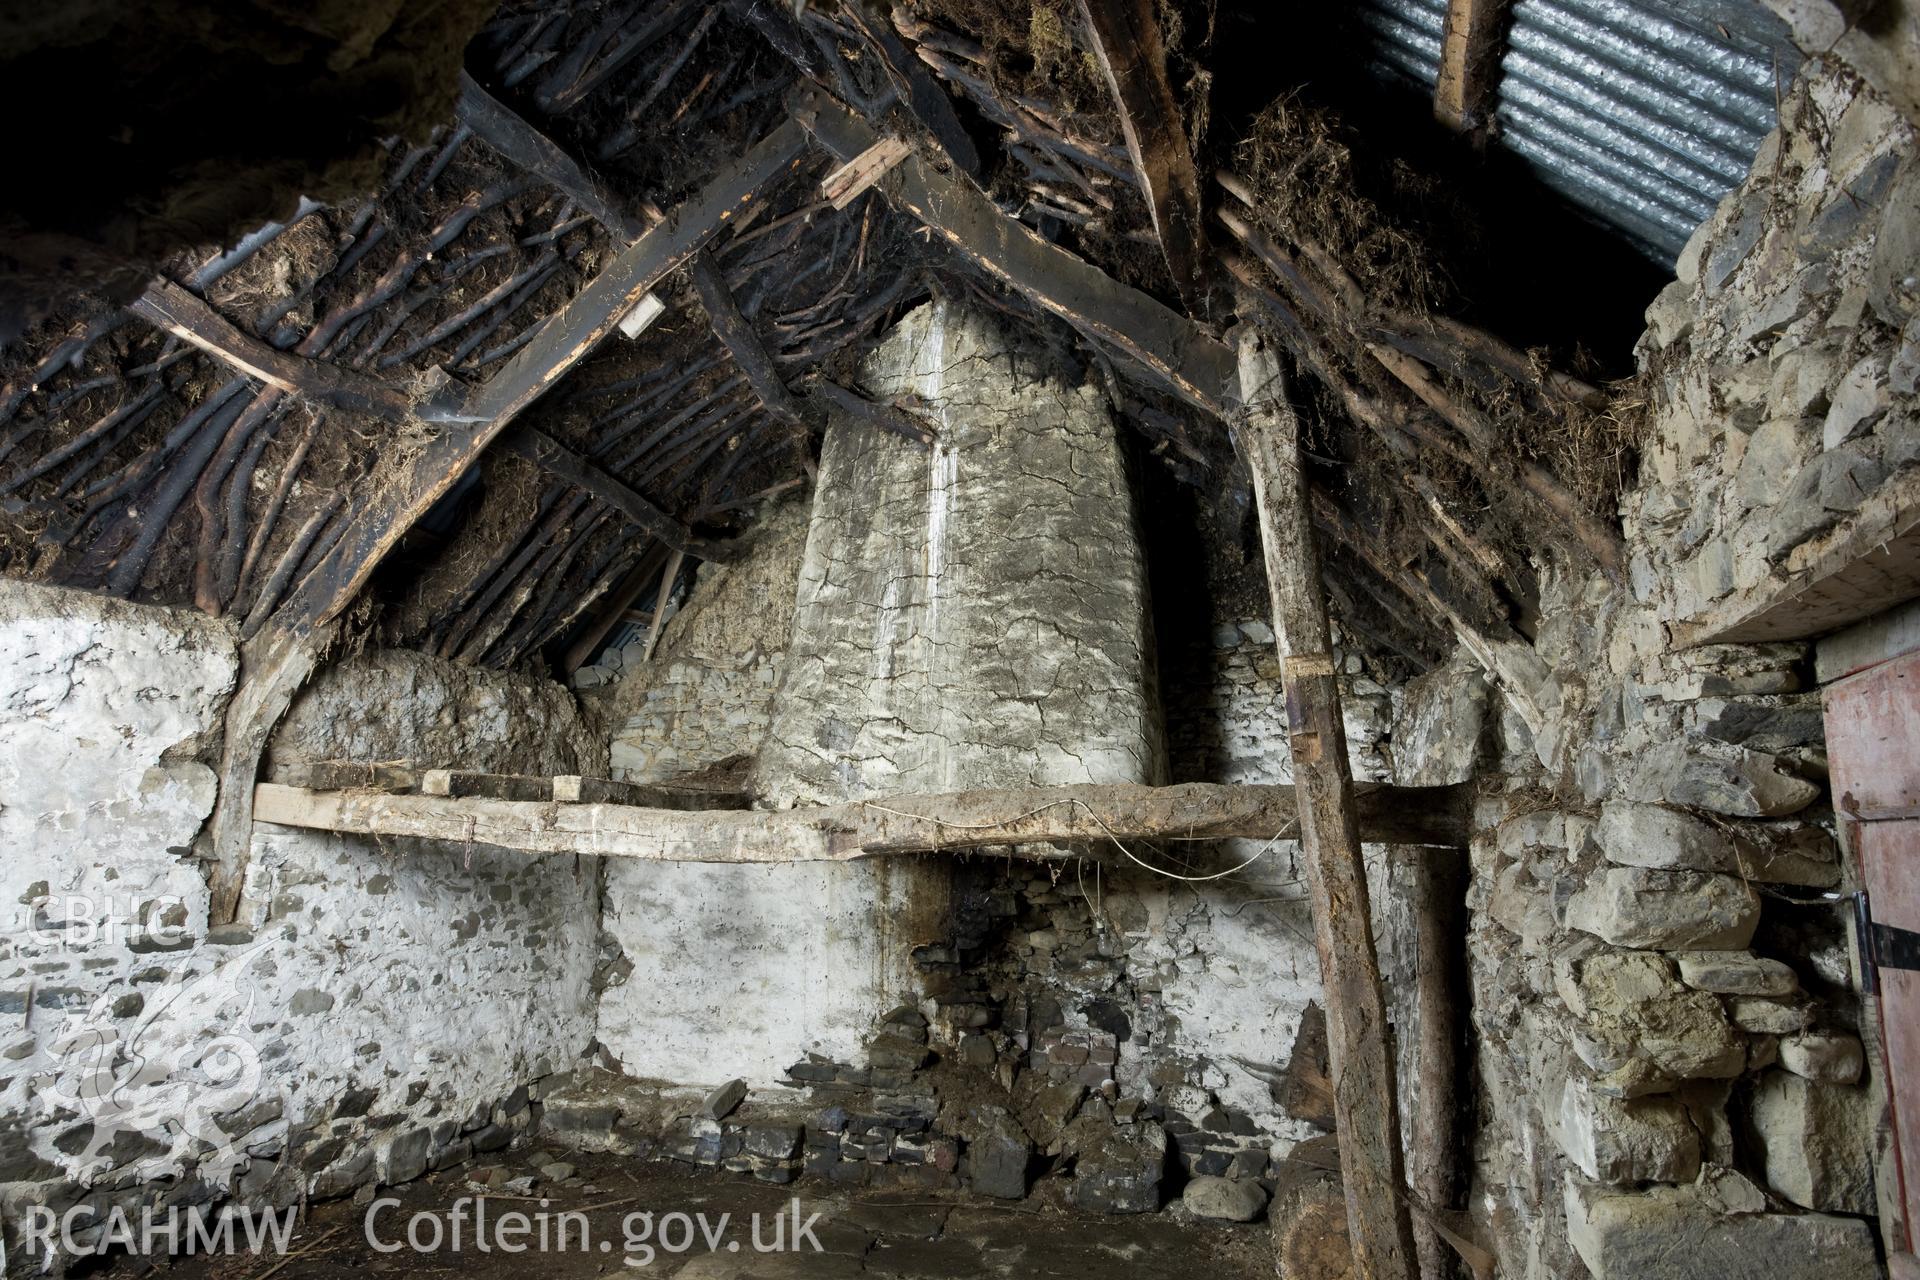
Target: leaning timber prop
column 278, row 660
column 1358, row 1037
column 466, row 810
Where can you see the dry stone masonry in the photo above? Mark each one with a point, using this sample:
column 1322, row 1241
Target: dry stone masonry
column 1669, row 1057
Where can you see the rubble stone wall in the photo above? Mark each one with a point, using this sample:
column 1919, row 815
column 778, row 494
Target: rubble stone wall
column 1671, row 1074
column 378, row 1008
column 707, row 695
column 1785, row 358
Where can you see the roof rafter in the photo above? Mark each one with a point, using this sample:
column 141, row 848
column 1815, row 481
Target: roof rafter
column 531, row 151
column 1127, row 44
column 170, row 307
column 1176, row 351
column 563, row 463
column 1469, row 65
column 277, row 661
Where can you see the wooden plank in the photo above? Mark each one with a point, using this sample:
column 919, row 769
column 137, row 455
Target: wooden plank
column 347, row 775
column 544, row 451
column 854, row 178
column 864, row 828
column 531, row 151
column 1873, row 742
column 737, row 335
column 1170, row 347
column 1469, row 63
column 460, row 784
column 577, row 789
column 170, row 307
column 1879, row 639
column 1127, row 44
column 1358, row 1033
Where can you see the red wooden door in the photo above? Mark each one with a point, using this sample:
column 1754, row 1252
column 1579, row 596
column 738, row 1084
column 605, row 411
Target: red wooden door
column 1873, row 750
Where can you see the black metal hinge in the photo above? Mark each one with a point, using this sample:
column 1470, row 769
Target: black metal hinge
column 1882, row 946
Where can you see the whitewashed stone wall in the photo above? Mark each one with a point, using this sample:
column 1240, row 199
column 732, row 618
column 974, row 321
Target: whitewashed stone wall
column 1227, row 720
column 707, row 695
column 974, row 615
column 379, row 1007
column 977, row 614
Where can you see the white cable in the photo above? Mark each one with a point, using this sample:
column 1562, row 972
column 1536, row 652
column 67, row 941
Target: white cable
column 1259, row 853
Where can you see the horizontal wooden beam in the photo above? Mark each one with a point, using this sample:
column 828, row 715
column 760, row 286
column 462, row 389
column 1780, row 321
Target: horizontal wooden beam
column 170, row 307
column 462, row 784
column 1864, row 565
column 584, row 790
column 346, row 775
column 1171, row 348
column 581, row 472
column 900, row 824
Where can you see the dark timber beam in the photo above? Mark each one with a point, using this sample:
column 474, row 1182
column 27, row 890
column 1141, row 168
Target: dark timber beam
column 886, row 825
column 875, row 414
column 170, row 307
column 278, row 660
column 1127, row 44
column 1170, row 347
column 563, row 340
column 737, row 335
column 1359, row 1038
column 742, row 341
column 531, row 151
column 1469, row 63
column 915, row 84
column 565, row 464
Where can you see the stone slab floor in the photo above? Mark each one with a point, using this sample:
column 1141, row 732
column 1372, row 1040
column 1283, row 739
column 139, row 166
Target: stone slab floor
column 910, row 1235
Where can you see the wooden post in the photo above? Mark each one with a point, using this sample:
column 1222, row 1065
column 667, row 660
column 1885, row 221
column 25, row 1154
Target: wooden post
column 1358, row 1036
column 668, row 576
column 1434, row 888
column 1469, row 63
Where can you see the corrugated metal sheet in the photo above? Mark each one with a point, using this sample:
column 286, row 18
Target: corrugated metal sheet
column 1642, row 114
